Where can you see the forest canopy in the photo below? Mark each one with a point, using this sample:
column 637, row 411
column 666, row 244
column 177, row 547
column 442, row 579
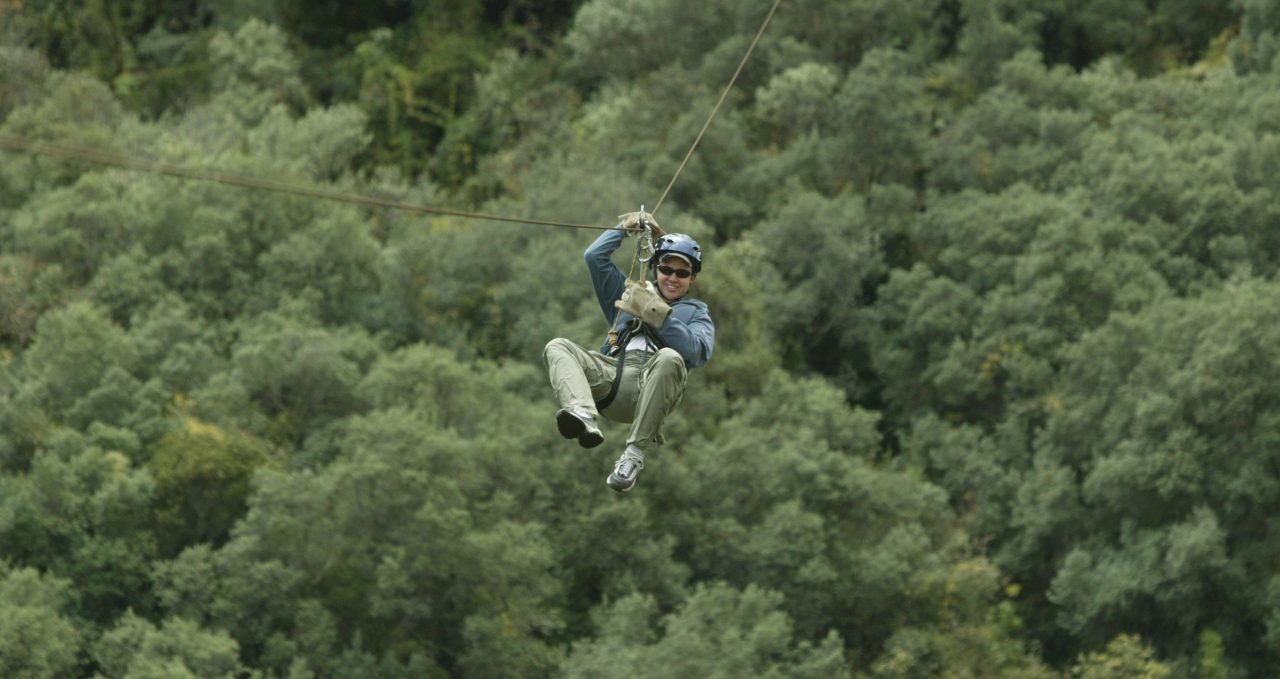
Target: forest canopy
column 992, row 281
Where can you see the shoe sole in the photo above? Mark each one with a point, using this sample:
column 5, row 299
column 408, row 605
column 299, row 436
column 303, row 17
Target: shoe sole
column 609, row 480
column 572, row 428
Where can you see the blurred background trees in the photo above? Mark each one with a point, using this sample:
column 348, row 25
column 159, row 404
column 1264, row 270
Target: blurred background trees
column 992, row 393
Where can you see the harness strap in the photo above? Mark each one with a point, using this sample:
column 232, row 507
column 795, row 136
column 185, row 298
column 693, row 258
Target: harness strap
column 624, row 338
column 617, row 380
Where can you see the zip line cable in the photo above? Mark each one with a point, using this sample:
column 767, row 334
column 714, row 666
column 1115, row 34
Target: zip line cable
column 147, row 165
column 716, row 109
column 641, row 240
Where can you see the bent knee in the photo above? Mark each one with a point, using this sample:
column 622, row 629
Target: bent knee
column 669, row 359
column 557, row 344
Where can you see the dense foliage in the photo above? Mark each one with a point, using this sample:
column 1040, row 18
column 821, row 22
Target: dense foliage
column 992, row 396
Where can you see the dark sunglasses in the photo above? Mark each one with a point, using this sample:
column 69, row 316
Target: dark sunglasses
column 668, row 270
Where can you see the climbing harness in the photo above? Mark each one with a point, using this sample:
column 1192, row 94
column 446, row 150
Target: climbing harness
column 623, row 338
column 620, row 340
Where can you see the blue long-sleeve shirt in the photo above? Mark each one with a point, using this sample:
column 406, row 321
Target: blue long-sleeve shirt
column 688, row 329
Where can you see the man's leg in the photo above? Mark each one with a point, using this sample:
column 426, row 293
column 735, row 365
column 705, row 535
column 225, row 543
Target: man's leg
column 578, row 376
column 661, row 388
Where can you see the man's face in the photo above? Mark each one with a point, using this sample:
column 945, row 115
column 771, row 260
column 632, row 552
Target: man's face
column 674, row 277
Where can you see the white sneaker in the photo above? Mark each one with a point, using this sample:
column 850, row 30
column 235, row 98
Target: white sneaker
column 626, row 470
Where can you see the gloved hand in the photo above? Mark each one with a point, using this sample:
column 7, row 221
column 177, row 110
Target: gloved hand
column 631, row 222
column 642, row 301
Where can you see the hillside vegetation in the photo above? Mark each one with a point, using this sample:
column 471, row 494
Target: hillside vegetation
column 993, row 394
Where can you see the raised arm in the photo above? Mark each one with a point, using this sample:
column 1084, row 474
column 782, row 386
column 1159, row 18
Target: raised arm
column 606, row 278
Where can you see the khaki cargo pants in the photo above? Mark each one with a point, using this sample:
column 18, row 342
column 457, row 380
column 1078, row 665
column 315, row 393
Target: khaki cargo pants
column 652, row 384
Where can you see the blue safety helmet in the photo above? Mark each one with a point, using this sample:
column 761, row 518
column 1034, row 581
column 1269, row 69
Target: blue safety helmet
column 678, row 244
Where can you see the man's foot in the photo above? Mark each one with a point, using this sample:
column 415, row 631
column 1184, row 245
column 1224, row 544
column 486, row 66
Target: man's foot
column 626, row 470
column 575, row 424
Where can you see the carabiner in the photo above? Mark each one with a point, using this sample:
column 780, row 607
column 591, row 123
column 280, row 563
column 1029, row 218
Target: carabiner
column 644, row 244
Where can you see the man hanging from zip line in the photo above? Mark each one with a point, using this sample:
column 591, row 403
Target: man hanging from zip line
column 638, row 376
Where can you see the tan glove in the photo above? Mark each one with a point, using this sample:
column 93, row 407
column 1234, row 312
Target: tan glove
column 631, row 222
column 642, row 301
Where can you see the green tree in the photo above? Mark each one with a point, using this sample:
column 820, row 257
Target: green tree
column 36, row 639
column 826, row 255
column 413, row 531
column 135, row 648
column 1255, row 49
column 735, row 291
column 974, row 635
column 25, row 72
column 1124, row 656
column 322, row 143
column 300, row 374
column 981, row 471
column 797, row 101
column 84, row 514
column 992, row 31
column 1018, row 276
column 27, row 290
column 71, row 108
column 1023, row 129
column 880, row 111
column 1151, row 38
column 257, row 601
column 1159, row 511
column 127, row 283
column 520, row 114
column 337, row 259
column 611, row 40
column 150, row 52
column 253, row 70
column 177, row 349
column 717, row 632
column 78, row 227
column 783, row 467
column 74, row 350
column 202, row 478
column 843, row 34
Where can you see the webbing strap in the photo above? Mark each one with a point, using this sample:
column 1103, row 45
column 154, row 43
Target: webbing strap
column 617, row 375
column 624, row 338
